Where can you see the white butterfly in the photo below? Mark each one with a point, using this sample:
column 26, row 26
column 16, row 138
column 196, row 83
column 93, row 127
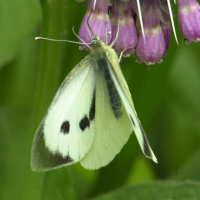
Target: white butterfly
column 91, row 116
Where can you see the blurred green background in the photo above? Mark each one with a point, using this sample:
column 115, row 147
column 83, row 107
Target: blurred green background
column 166, row 98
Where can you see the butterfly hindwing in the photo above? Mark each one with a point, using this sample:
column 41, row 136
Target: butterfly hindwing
column 67, row 131
column 113, row 100
column 112, row 125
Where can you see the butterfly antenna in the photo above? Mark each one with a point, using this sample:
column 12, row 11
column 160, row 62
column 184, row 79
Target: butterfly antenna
column 80, row 38
column 55, row 40
column 172, row 20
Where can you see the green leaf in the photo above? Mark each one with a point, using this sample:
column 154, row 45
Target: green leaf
column 190, row 170
column 168, row 190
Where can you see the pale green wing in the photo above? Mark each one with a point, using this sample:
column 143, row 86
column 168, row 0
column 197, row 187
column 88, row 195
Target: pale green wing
column 126, row 98
column 66, row 133
column 112, row 124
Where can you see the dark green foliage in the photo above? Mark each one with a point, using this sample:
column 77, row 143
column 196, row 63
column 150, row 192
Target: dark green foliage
column 166, row 98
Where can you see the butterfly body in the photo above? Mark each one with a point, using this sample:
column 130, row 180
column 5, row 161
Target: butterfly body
column 91, row 116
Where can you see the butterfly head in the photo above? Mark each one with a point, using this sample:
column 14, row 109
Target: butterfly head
column 96, row 42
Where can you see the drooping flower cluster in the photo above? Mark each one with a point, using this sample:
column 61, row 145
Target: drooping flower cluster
column 142, row 26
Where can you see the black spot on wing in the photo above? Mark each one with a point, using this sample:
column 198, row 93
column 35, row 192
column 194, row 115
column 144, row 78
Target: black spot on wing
column 84, row 123
column 146, row 146
column 92, row 107
column 132, row 120
column 65, row 127
column 115, row 100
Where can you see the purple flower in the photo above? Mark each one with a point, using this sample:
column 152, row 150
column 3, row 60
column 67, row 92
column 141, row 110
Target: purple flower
column 189, row 19
column 151, row 47
column 99, row 22
column 166, row 29
column 127, row 35
column 149, row 17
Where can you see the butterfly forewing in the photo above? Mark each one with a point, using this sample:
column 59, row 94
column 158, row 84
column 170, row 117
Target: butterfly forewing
column 67, row 131
column 125, row 96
